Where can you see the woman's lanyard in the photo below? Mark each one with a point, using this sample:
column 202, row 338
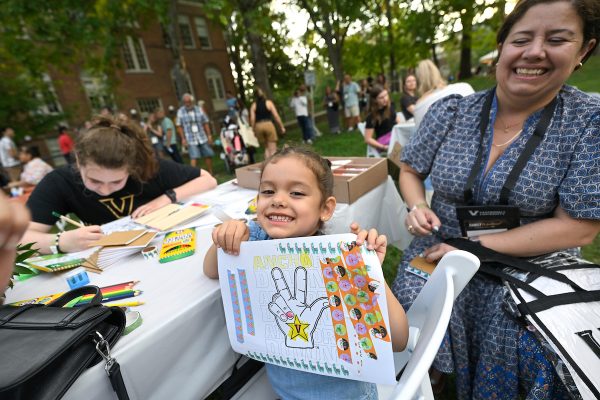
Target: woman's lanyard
column 530, row 146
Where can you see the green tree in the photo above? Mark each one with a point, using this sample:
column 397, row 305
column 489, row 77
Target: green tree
column 39, row 36
column 331, row 20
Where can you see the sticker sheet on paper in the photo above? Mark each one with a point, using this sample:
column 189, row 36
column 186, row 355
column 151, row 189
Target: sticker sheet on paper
column 314, row 304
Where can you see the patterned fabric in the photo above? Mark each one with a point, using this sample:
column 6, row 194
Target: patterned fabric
column 188, row 118
column 489, row 351
column 291, row 384
column 34, row 171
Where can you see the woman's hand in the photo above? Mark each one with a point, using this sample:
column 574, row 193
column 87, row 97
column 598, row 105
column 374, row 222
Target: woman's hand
column 437, row 251
column 421, row 221
column 372, row 238
column 147, row 208
column 229, row 236
column 79, row 239
column 14, row 219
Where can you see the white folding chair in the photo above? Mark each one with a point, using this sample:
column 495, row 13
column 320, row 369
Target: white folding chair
column 371, row 151
column 428, row 320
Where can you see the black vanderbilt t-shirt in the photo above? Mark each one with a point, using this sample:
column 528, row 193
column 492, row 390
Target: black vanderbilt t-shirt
column 385, row 125
column 62, row 190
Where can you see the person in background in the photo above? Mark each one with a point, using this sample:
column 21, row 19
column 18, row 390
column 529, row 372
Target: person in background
column 299, row 104
column 169, row 135
column 432, row 87
column 381, row 119
column 14, row 219
column 106, row 111
column 8, row 154
column 381, row 80
column 295, row 198
column 469, row 146
column 363, row 98
column 351, row 91
column 262, row 113
column 65, row 143
column 34, row 168
column 409, row 96
column 332, row 105
column 153, row 129
column 192, row 124
column 116, row 175
column 233, row 106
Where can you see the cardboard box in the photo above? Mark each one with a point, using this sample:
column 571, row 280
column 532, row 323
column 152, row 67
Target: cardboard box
column 355, row 177
column 249, row 176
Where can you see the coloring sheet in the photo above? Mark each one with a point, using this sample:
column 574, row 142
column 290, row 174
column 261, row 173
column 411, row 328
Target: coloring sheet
column 314, row 304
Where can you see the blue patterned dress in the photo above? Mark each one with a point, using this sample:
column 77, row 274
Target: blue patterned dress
column 492, row 354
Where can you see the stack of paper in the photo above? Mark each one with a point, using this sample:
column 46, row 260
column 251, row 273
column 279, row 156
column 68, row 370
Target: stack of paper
column 168, row 217
column 120, row 245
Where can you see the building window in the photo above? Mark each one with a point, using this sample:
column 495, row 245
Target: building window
column 197, row 3
column 214, row 81
column 185, row 83
column 134, row 54
column 97, row 92
column 185, row 30
column 49, row 104
column 149, row 105
column 165, row 35
column 202, row 32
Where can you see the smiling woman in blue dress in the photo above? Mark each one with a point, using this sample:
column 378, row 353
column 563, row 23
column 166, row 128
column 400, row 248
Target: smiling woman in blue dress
column 555, row 192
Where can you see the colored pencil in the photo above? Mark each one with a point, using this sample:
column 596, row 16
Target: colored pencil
column 67, row 219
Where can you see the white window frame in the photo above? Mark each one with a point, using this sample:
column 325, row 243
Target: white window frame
column 216, row 88
column 96, row 88
column 48, row 93
column 129, row 48
column 202, row 25
column 185, row 20
column 143, row 102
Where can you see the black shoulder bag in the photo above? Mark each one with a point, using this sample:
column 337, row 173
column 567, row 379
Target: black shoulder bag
column 44, row 349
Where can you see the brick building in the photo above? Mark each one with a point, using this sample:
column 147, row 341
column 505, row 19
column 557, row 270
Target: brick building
column 145, row 81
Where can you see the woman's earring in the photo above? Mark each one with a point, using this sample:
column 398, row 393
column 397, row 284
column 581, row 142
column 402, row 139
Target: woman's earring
column 578, row 66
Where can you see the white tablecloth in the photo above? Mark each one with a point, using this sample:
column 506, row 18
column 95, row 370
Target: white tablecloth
column 182, row 349
column 401, row 133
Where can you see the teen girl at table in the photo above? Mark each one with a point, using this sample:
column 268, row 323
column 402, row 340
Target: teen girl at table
column 116, row 174
column 294, row 200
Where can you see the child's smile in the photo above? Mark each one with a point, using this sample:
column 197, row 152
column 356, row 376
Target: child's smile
column 290, row 203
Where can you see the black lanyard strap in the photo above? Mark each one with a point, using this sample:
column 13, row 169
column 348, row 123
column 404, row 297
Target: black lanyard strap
column 532, row 143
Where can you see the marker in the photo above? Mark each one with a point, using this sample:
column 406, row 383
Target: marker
column 67, row 219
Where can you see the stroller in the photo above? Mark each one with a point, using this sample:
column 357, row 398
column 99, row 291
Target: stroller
column 235, row 152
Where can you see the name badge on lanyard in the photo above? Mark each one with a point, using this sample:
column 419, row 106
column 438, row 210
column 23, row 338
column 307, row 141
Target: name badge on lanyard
column 478, row 220
column 481, row 220
column 195, row 128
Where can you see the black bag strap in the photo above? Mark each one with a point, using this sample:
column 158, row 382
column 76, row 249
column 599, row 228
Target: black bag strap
column 116, row 381
column 73, row 294
column 498, row 273
column 489, row 255
column 542, row 304
column 15, row 311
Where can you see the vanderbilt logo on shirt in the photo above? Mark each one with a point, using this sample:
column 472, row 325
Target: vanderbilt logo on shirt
column 119, row 210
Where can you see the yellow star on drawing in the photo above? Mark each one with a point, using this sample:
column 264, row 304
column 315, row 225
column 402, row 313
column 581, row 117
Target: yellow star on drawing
column 298, row 329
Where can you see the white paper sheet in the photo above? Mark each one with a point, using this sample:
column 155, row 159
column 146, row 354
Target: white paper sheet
column 314, row 304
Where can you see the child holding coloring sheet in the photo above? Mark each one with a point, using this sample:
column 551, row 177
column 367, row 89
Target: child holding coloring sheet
column 294, row 200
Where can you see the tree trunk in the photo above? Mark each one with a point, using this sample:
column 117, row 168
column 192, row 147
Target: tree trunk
column 465, row 44
column 257, row 54
column 178, row 71
column 434, row 55
column 388, row 13
column 234, row 55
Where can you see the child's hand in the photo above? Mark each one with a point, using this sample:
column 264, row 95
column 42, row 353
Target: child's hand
column 229, row 235
column 374, row 241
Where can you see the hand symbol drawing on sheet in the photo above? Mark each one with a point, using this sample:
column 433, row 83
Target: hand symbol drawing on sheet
column 295, row 319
